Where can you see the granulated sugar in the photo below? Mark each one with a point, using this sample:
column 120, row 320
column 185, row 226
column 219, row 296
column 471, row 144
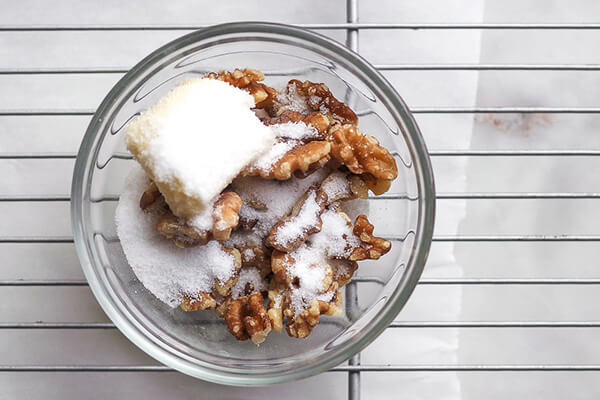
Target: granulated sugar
column 336, row 185
column 295, row 130
column 335, row 239
column 290, row 100
column 307, row 218
column 248, row 276
column 165, row 270
column 278, row 197
column 266, row 161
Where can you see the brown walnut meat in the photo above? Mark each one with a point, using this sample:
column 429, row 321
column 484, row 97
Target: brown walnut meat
column 224, row 288
column 318, row 97
column 201, row 301
column 341, row 186
column 297, row 218
column 225, row 215
column 300, row 158
column 246, row 318
column 315, row 119
column 372, row 247
column 255, row 257
column 376, row 185
column 179, row 232
column 343, row 271
column 150, row 197
column 249, row 80
column 303, row 324
column 362, row 154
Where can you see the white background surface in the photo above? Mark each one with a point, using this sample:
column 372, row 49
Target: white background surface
column 446, row 346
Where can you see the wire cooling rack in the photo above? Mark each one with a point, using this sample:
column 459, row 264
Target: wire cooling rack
column 354, row 368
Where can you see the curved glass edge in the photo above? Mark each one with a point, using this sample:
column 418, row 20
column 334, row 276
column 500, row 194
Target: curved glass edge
column 232, row 376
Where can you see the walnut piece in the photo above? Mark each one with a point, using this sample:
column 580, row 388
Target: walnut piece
column 225, row 215
column 318, row 97
column 201, row 301
column 376, row 185
column 255, row 257
column 303, row 324
column 304, row 220
column 275, row 312
column 343, row 270
column 179, row 232
column 372, row 247
column 340, row 186
column 300, row 158
column 246, row 318
column 150, row 196
column 249, row 80
column 315, row 119
column 224, row 288
column 361, row 153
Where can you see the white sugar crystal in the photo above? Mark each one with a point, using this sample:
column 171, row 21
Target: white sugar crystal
column 266, row 161
column 203, row 221
column 248, row 276
column 165, row 270
column 307, row 218
column 295, row 130
column 336, row 184
column 196, row 139
column 248, row 254
column 290, row 100
column 335, row 239
column 278, row 196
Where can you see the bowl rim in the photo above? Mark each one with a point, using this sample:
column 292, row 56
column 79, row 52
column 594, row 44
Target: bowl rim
column 237, row 376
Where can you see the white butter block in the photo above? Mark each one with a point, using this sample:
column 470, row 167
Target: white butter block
column 195, row 140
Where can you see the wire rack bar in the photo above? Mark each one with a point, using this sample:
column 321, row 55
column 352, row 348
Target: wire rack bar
column 399, row 324
column 423, row 281
column 495, row 324
column 351, row 291
column 432, row 153
column 57, row 325
column 381, row 67
column 342, row 368
column 414, row 110
column 390, row 196
column 334, row 26
column 438, row 238
column 486, row 67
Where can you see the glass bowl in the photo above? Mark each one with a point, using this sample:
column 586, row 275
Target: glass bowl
column 198, row 343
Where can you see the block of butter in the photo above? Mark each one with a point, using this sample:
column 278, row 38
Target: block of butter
column 195, row 140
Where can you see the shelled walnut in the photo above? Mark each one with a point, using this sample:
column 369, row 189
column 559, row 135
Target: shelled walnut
column 362, row 154
column 372, row 247
column 247, row 318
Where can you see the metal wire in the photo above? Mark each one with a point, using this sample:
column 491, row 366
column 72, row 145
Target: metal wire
column 352, row 28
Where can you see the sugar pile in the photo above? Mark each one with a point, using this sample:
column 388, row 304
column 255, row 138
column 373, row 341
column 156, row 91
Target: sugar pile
column 290, row 135
column 165, row 270
column 196, row 140
column 335, row 239
column 307, row 217
column 267, row 160
column 295, row 130
column 336, row 185
column 290, row 100
column 277, row 197
column 248, row 276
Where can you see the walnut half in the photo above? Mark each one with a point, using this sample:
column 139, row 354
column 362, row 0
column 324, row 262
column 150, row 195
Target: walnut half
column 304, row 219
column 246, row 318
column 362, row 154
column 372, row 247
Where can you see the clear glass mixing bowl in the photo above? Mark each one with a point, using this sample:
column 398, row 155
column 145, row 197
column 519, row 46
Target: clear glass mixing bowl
column 198, row 343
